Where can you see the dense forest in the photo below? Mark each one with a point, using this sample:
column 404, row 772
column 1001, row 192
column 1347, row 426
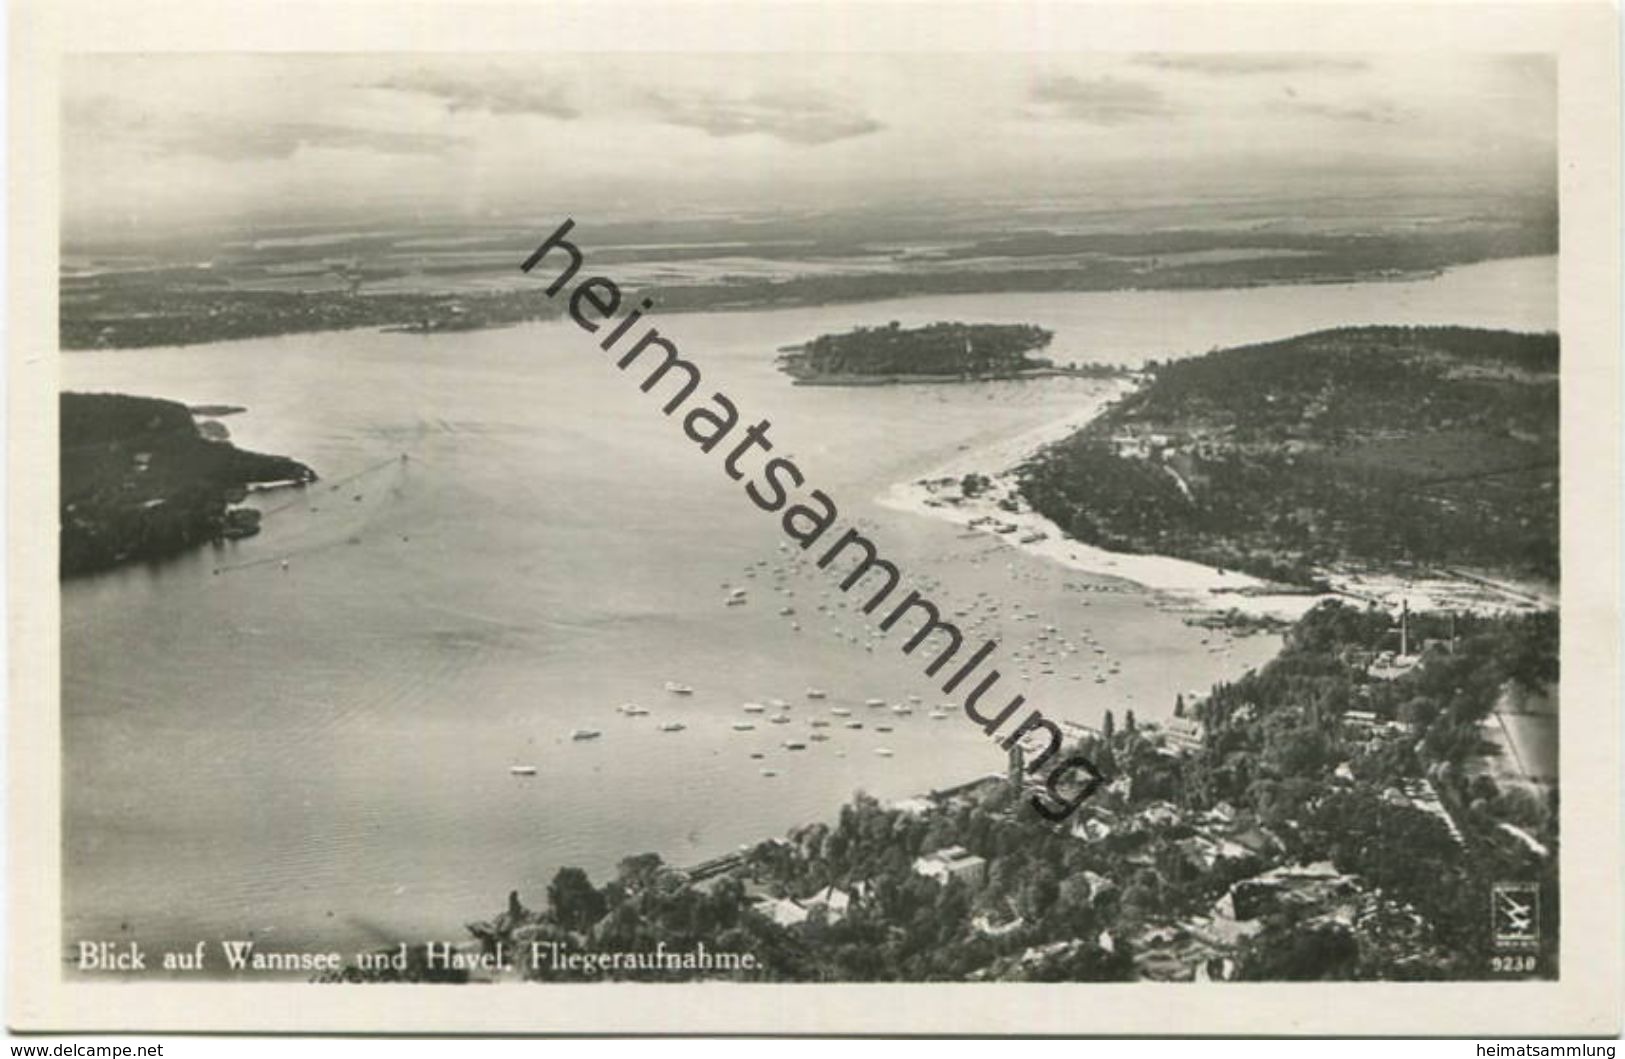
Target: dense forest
column 139, row 480
column 940, row 349
column 1377, row 445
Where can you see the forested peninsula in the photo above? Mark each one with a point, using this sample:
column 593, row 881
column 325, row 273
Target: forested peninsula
column 141, row 479
column 1380, row 445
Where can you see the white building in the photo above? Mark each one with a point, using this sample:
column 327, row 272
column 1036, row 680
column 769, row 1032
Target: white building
column 1186, row 732
column 835, row 903
column 782, row 910
column 952, row 862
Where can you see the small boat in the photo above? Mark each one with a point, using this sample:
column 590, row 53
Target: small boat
column 678, row 689
column 902, row 710
column 854, row 724
column 819, row 737
column 840, row 711
column 753, row 707
column 673, row 726
column 743, row 726
column 818, row 722
column 778, row 718
column 770, row 772
column 883, row 751
column 778, row 704
column 874, row 702
column 794, row 744
column 937, row 715
column 815, row 693
column 882, row 727
column 522, row 770
column 632, row 709
column 581, row 735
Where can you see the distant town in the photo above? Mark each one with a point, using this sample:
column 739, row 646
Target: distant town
column 117, row 296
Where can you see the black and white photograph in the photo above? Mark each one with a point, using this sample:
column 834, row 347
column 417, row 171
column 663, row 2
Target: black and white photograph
column 546, row 516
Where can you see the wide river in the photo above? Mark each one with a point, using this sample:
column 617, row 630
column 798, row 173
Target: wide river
column 307, row 735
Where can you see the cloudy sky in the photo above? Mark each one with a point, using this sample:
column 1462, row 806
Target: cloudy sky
column 162, row 140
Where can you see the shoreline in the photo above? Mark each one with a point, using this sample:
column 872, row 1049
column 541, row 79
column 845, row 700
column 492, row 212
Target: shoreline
column 892, row 379
column 1181, row 583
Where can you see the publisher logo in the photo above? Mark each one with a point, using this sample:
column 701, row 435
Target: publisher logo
column 1515, row 915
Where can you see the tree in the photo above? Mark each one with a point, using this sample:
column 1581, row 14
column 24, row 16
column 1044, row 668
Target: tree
column 638, row 871
column 1288, row 950
column 576, row 904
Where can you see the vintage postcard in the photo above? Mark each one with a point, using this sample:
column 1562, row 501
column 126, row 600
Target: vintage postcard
column 899, row 518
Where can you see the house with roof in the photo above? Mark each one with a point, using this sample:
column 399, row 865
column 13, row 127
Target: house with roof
column 1184, row 733
column 1092, row 829
column 952, row 862
column 986, row 926
column 913, row 806
column 781, row 910
column 833, row 901
column 1290, row 885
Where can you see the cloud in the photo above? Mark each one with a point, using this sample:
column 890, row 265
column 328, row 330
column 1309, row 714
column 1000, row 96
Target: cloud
column 1248, row 64
column 1101, row 100
column 1375, row 112
column 797, row 118
column 1529, row 69
column 106, row 118
column 231, row 143
column 493, row 95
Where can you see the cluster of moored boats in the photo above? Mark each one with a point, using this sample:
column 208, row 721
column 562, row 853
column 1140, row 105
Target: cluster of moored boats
column 771, row 711
column 1046, row 653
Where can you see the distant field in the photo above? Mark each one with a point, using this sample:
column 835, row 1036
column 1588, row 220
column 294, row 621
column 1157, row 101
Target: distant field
column 237, row 287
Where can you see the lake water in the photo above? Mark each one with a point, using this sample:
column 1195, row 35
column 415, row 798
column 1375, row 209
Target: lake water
column 319, row 753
